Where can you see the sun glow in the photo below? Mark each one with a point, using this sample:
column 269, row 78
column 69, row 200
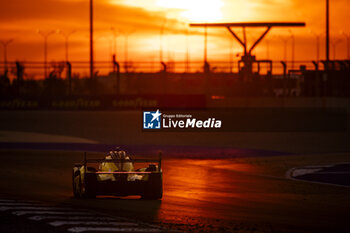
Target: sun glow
column 195, row 10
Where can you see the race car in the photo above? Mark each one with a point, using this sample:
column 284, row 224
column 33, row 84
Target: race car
column 116, row 175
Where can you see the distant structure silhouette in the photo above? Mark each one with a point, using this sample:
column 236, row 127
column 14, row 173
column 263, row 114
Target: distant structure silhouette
column 248, row 59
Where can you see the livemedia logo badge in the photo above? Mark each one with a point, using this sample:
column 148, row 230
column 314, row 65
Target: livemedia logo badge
column 152, row 120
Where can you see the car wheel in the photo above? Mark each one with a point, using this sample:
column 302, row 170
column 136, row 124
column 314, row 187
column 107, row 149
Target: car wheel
column 155, row 196
column 81, row 188
column 155, row 188
column 74, row 186
column 85, row 192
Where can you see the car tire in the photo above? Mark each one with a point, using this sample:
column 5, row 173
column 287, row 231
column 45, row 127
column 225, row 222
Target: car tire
column 152, row 196
column 74, row 186
column 84, row 191
column 154, row 189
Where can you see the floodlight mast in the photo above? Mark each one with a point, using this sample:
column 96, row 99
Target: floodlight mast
column 247, row 58
column 91, row 40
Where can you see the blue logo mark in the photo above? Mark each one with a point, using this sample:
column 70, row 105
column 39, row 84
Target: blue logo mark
column 151, row 120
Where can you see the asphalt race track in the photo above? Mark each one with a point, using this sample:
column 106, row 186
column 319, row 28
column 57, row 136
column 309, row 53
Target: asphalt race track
column 246, row 192
column 41, row 217
column 199, row 195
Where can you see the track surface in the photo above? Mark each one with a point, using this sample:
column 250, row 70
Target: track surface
column 41, row 217
column 125, row 128
column 215, row 195
column 199, row 195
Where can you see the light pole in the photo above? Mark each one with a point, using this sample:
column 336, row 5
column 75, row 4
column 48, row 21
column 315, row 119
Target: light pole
column 91, row 41
column 66, row 37
column 318, row 47
column 161, row 41
column 285, row 43
column 5, row 43
column 45, row 35
column 327, row 31
column 187, row 49
column 126, row 48
column 231, row 54
column 205, row 45
column 347, row 37
column 334, row 47
column 267, row 49
column 115, row 35
column 293, row 47
column 317, row 37
column 187, row 52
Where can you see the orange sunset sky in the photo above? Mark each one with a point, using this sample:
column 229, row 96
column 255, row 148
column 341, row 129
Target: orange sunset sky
column 144, row 19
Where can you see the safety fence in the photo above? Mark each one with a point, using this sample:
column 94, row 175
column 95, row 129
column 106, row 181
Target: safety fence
column 81, row 69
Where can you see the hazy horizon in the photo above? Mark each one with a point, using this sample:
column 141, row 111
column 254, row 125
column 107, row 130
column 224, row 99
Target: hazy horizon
column 144, row 20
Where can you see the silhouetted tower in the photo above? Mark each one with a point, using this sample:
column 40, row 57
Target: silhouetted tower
column 248, row 59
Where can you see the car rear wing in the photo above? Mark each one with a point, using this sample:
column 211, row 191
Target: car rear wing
column 159, row 161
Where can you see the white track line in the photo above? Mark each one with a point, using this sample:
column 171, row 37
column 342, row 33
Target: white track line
column 4, row 202
column 105, row 223
column 45, row 217
column 112, row 229
column 32, row 208
column 20, row 213
column 289, row 175
column 7, row 200
column 42, row 212
column 18, row 204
